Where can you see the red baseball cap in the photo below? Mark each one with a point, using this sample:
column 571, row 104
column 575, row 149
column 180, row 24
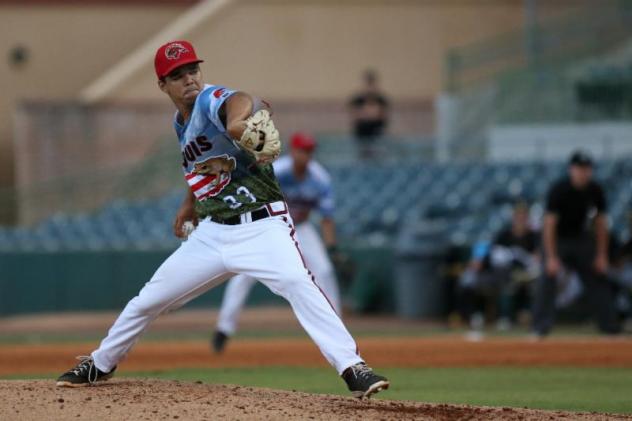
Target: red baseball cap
column 303, row 141
column 172, row 55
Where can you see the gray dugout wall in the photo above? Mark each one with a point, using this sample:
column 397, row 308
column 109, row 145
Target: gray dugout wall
column 42, row 282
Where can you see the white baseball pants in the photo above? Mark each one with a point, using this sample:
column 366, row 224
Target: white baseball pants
column 316, row 260
column 266, row 250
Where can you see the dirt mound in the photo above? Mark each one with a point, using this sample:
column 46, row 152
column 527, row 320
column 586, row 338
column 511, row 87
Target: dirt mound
column 134, row 399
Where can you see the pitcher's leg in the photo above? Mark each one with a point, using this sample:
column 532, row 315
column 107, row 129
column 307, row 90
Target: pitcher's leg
column 235, row 295
column 326, row 280
column 283, row 271
column 318, row 261
column 190, row 271
column 318, row 318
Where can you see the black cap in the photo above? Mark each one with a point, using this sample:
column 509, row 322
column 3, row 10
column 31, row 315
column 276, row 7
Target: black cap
column 581, row 158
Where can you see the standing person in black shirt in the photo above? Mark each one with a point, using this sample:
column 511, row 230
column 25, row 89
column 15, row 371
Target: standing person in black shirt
column 369, row 113
column 575, row 236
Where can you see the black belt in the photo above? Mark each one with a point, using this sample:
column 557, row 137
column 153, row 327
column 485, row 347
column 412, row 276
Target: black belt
column 236, row 220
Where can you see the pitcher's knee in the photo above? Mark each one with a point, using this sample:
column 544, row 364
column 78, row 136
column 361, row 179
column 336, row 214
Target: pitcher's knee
column 325, row 277
column 295, row 281
column 143, row 306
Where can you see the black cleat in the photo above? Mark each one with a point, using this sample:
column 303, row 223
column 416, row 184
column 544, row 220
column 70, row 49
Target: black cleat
column 84, row 374
column 219, row 341
column 363, row 382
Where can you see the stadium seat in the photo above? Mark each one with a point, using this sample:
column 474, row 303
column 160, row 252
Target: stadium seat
column 372, row 200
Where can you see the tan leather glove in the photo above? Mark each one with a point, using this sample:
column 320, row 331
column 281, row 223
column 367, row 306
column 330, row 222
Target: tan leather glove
column 261, row 138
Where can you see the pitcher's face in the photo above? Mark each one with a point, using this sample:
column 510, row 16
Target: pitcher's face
column 183, row 84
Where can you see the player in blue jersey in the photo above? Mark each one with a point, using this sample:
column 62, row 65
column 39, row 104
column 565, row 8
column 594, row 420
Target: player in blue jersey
column 228, row 141
column 306, row 186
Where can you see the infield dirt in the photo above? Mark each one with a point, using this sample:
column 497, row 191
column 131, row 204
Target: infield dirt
column 132, row 399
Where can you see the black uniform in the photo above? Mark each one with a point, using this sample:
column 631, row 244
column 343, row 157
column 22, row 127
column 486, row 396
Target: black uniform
column 528, row 242
column 576, row 210
column 497, row 284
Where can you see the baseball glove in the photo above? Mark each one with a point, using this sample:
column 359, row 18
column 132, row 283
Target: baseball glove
column 261, row 138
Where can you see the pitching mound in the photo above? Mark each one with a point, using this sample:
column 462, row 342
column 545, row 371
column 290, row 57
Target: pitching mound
column 144, row 399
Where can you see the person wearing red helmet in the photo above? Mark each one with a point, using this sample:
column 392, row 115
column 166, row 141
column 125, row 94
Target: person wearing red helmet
column 306, row 186
column 235, row 221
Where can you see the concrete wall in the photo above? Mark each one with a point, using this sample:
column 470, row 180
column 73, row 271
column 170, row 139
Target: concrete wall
column 67, row 46
column 556, row 142
column 317, row 49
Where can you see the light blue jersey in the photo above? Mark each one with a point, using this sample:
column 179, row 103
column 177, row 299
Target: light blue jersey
column 313, row 191
column 225, row 179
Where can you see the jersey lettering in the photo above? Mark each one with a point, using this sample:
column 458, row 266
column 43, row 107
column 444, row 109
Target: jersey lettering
column 205, row 145
column 192, row 151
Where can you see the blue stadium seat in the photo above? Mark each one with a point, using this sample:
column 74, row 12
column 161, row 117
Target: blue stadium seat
column 371, row 200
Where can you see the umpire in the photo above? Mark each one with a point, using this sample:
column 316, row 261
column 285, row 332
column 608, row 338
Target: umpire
column 575, row 237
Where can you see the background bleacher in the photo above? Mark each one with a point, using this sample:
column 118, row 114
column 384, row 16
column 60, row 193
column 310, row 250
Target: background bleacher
column 374, row 201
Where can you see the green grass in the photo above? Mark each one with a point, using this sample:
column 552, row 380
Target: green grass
column 578, row 389
column 574, row 389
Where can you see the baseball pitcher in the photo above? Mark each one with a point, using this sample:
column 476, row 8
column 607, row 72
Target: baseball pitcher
column 306, row 185
column 242, row 226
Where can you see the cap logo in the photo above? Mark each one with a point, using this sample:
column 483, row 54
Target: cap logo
column 174, row 51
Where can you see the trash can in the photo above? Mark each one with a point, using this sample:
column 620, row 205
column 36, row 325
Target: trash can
column 419, row 254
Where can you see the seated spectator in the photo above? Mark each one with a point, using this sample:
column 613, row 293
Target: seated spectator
column 500, row 273
column 514, row 258
column 473, row 287
column 369, row 114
